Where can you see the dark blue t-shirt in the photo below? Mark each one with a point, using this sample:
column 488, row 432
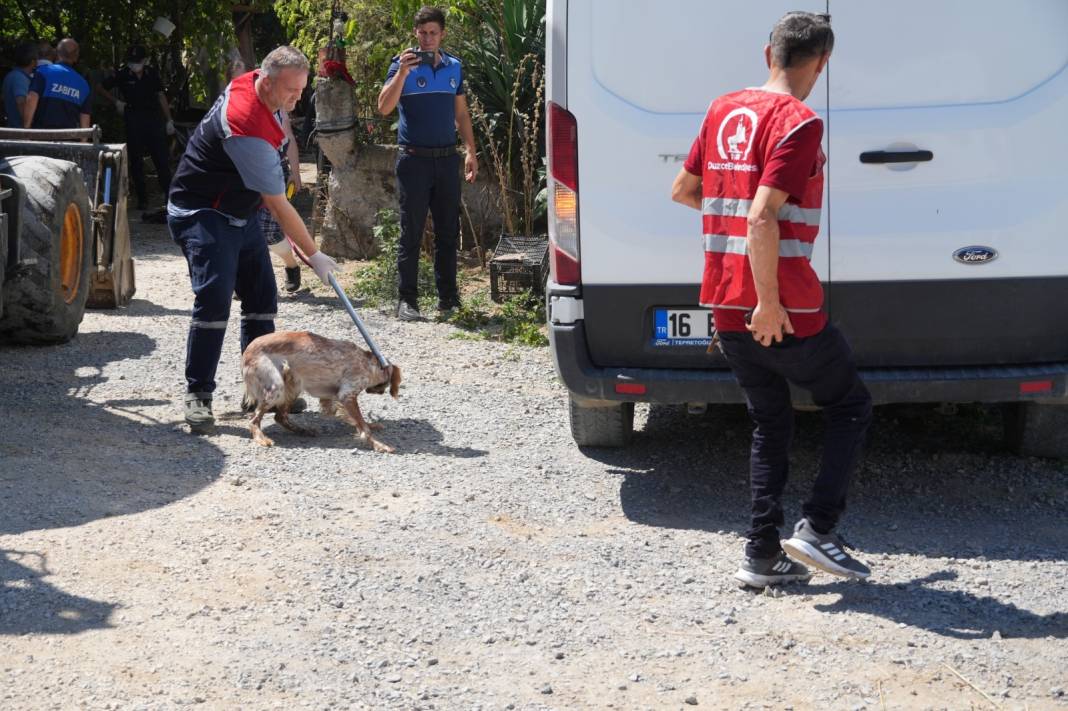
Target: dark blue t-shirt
column 63, row 95
column 428, row 103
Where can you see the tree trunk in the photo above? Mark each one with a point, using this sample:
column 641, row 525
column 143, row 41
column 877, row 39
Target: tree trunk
column 346, row 230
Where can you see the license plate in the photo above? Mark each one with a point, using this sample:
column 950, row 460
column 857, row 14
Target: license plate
column 683, row 327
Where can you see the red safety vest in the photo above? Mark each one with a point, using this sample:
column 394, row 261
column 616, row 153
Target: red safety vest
column 741, row 132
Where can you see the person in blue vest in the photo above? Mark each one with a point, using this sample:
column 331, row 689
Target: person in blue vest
column 17, row 83
column 231, row 165
column 58, row 95
column 433, row 105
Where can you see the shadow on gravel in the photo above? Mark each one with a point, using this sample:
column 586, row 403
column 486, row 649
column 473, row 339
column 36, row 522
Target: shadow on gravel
column 66, row 461
column 144, row 307
column 406, row 435
column 938, row 485
column 949, row 613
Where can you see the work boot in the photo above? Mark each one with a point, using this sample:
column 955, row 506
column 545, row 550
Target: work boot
column 292, row 279
column 408, row 312
column 198, row 413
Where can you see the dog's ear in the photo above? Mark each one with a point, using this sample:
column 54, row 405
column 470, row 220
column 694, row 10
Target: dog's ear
column 394, row 380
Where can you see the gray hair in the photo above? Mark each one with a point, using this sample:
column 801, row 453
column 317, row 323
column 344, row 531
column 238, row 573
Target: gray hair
column 799, row 36
column 284, row 57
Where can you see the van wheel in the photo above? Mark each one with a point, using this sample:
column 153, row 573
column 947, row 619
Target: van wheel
column 1037, row 430
column 604, row 425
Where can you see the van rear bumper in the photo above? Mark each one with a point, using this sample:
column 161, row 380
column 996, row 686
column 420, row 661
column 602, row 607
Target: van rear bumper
column 586, row 381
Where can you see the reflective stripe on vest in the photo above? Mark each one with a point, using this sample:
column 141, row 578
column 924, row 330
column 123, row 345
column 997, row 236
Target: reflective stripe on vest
column 726, row 244
column 737, row 207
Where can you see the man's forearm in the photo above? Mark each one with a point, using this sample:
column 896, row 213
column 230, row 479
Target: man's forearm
column 390, row 95
column 763, row 244
column 467, row 133
column 165, row 105
column 28, row 109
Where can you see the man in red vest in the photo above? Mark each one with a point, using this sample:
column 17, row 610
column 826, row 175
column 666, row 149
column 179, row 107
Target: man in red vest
column 756, row 174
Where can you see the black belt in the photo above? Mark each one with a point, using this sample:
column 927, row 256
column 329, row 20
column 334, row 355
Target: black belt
column 429, row 152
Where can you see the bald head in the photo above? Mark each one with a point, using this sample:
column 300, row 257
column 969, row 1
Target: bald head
column 67, row 49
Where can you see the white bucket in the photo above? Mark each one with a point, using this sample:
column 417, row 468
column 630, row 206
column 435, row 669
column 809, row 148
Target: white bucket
column 164, row 26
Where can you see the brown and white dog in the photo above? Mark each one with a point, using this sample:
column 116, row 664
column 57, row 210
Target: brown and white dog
column 280, row 366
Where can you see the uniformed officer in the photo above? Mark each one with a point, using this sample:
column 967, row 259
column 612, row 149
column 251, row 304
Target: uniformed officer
column 433, row 106
column 58, row 95
column 230, row 166
column 140, row 99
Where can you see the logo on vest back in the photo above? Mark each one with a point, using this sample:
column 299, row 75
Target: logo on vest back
column 736, row 133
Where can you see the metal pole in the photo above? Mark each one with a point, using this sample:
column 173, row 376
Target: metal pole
column 359, row 323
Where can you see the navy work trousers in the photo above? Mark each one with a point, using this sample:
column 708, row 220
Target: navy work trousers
column 223, row 260
column 428, row 183
column 145, row 135
column 823, row 365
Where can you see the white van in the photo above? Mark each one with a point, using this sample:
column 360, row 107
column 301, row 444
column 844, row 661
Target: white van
column 944, row 241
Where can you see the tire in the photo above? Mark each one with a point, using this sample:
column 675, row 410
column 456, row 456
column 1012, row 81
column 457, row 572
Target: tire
column 608, row 425
column 1037, row 430
column 44, row 298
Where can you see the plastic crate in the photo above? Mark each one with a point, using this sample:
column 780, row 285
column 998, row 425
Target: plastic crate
column 519, row 264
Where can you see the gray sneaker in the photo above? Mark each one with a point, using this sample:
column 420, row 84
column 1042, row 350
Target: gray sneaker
column 198, row 413
column 407, row 312
column 762, row 572
column 826, row 551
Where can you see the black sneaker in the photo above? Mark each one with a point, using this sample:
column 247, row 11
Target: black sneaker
column 762, row 572
column 826, row 551
column 407, row 312
column 198, row 413
column 292, row 279
column 448, row 306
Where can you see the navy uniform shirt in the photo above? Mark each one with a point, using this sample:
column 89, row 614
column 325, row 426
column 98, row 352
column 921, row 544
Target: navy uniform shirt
column 63, row 95
column 141, row 93
column 428, row 103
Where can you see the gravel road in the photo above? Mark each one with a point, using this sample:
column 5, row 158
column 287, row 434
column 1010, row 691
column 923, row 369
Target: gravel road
column 489, row 564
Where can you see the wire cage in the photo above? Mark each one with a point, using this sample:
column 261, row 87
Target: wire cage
column 519, row 264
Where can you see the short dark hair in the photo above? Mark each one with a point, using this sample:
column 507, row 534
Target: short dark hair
column 428, row 13
column 25, row 53
column 799, row 36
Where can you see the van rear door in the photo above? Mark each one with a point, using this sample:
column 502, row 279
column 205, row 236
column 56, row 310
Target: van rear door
column 640, row 76
column 984, row 90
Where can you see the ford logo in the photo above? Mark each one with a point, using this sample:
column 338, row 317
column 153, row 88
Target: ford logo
column 975, row 255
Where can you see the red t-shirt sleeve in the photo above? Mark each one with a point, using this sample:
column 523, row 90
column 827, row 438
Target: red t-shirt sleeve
column 696, row 160
column 794, row 161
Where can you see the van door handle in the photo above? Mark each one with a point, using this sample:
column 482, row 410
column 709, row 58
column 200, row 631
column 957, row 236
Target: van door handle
column 896, row 156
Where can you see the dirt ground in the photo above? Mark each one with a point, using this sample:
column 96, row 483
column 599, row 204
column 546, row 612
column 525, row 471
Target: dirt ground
column 489, row 564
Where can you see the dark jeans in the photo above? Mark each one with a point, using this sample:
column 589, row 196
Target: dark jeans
column 145, row 135
column 223, row 260
column 823, row 365
column 432, row 183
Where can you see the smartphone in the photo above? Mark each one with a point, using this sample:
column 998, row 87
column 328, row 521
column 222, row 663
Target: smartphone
column 424, row 57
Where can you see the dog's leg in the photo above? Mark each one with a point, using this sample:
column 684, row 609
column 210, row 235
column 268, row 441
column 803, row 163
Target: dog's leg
column 327, row 407
column 257, row 434
column 281, row 416
column 353, row 408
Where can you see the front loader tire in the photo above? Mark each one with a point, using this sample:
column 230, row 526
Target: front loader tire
column 44, row 299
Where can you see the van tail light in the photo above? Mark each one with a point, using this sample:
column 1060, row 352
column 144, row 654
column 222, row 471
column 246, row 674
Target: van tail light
column 563, row 196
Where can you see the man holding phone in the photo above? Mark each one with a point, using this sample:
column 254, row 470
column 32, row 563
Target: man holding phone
column 755, row 172
column 426, row 83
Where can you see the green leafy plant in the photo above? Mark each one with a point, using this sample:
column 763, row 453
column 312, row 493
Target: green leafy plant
column 376, row 284
column 519, row 320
